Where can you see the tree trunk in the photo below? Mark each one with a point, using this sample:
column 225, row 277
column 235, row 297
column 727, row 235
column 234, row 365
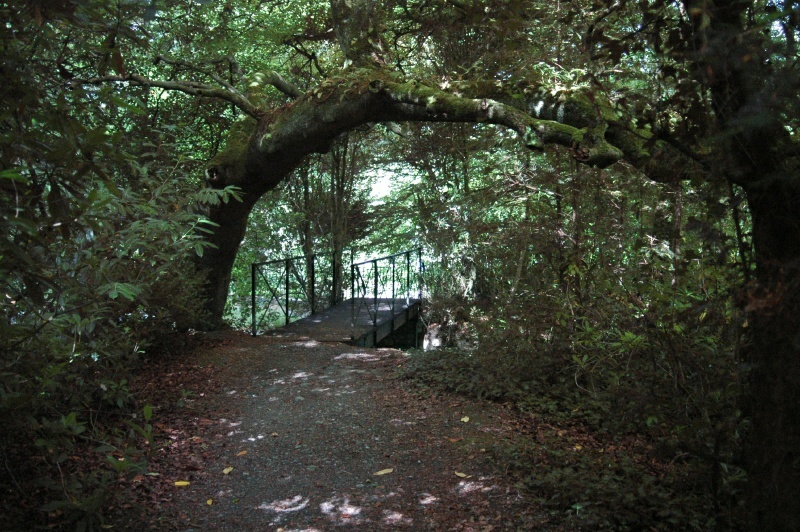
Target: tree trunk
column 754, row 151
column 217, row 261
column 773, row 401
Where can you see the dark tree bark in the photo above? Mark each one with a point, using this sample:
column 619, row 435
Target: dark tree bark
column 773, row 401
column 758, row 155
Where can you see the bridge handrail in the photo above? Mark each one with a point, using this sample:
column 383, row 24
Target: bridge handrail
column 287, row 284
column 281, row 293
column 358, row 285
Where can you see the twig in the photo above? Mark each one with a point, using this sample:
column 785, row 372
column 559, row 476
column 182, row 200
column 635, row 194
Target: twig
column 10, row 473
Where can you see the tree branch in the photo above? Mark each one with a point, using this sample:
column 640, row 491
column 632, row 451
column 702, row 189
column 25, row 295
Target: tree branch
column 275, row 79
column 193, row 88
column 420, row 102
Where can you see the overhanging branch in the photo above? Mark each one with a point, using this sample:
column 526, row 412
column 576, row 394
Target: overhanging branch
column 187, row 87
column 414, row 101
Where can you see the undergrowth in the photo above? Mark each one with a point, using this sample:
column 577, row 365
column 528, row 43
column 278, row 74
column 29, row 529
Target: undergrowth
column 83, row 311
column 577, row 461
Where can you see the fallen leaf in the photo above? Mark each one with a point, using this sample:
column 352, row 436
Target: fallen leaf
column 209, row 502
column 384, row 472
column 241, row 453
column 227, row 470
column 454, row 440
column 465, row 419
column 182, row 483
column 274, row 434
column 153, row 474
column 462, row 475
column 138, row 478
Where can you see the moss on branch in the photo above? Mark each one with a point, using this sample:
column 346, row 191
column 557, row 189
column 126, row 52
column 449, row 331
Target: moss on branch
column 587, row 143
column 228, row 166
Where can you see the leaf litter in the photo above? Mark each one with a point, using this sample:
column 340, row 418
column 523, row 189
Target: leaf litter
column 323, row 469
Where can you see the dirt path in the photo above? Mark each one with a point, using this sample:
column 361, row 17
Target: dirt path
column 306, row 427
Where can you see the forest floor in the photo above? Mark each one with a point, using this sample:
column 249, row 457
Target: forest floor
column 284, row 433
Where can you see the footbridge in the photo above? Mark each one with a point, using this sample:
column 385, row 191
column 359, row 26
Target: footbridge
column 379, row 301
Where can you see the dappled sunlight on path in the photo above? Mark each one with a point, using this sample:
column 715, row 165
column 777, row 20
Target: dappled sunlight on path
column 316, row 436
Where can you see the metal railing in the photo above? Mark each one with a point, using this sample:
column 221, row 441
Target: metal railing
column 384, row 281
column 295, row 287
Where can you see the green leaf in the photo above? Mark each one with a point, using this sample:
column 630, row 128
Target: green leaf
column 14, row 175
column 114, row 290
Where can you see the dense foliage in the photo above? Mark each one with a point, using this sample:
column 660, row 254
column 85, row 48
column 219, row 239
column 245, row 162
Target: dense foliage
column 603, row 301
column 102, row 216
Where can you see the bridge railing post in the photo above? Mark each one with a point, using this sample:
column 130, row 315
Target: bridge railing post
column 288, row 264
column 352, row 302
column 375, row 292
column 420, row 271
column 393, row 288
column 312, row 296
column 253, row 282
column 334, row 296
column 408, row 277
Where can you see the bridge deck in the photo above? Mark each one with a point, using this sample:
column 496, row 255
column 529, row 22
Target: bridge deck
column 335, row 323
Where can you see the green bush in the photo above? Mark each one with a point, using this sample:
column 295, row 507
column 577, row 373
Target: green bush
column 654, row 358
column 81, row 308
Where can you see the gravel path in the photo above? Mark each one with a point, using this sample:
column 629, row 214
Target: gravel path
column 325, row 436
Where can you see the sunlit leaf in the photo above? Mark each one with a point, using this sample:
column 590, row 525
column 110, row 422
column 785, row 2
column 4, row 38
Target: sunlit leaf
column 465, row 419
column 182, row 483
column 227, row 470
column 209, row 502
column 384, row 472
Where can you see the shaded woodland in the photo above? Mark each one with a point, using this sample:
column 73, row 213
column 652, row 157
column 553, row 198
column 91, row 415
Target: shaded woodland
column 606, row 193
